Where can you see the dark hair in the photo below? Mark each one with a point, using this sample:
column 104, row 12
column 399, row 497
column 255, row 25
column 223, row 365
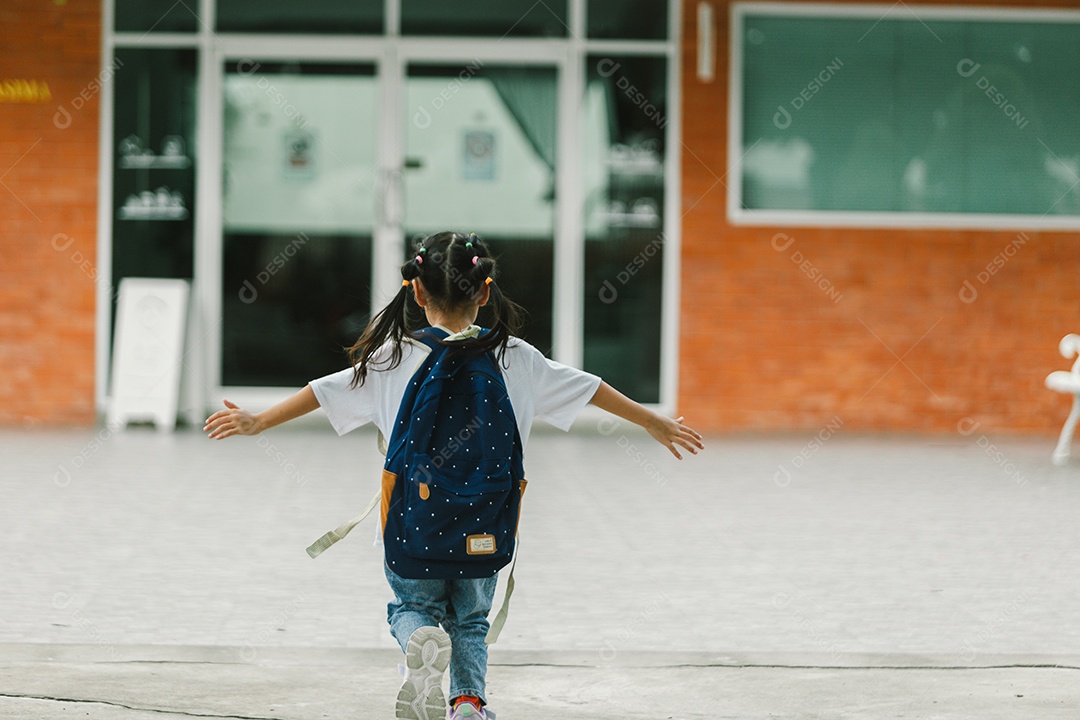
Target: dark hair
column 453, row 268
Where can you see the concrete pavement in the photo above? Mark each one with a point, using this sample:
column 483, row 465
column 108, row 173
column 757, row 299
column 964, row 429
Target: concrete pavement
column 62, row 682
column 800, row 576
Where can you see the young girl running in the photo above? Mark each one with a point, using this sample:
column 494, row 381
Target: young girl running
column 441, row 622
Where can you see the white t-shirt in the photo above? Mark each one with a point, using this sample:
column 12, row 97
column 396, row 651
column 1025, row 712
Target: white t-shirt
column 538, row 388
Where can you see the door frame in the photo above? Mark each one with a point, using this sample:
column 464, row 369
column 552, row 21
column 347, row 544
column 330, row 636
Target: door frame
column 391, row 57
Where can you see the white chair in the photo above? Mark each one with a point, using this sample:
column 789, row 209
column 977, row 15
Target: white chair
column 1067, row 382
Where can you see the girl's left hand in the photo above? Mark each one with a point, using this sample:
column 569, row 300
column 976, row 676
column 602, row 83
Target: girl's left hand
column 232, row 421
column 672, row 433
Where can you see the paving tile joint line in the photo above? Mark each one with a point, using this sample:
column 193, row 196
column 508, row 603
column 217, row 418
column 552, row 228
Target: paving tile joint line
column 132, row 707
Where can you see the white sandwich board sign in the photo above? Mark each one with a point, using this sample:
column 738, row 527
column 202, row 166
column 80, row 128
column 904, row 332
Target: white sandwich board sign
column 148, row 348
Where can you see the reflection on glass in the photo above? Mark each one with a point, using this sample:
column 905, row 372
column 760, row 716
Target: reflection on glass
column 311, row 16
column 909, row 123
column 290, row 304
column 154, row 164
column 480, row 157
column 625, row 103
column 628, row 19
column 156, row 16
column 298, row 212
column 506, row 18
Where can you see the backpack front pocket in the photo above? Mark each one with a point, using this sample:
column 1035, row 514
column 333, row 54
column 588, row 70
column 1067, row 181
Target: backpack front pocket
column 466, row 514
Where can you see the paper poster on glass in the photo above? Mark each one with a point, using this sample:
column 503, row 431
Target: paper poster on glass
column 299, row 155
column 479, row 155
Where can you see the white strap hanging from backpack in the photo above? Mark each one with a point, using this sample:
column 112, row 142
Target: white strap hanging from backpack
column 316, row 548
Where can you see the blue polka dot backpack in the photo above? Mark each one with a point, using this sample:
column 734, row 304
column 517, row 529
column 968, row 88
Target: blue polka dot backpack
column 453, row 478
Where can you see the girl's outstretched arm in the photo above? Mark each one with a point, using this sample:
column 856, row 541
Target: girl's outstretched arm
column 668, row 432
column 237, row 421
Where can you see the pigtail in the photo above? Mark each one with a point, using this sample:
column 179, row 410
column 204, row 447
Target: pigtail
column 506, row 314
column 387, row 325
column 506, row 321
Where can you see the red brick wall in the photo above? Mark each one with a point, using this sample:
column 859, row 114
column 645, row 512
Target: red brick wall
column 761, row 346
column 764, row 348
column 48, row 200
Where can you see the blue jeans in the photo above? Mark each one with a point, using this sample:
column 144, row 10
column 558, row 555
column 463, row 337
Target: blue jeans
column 461, row 607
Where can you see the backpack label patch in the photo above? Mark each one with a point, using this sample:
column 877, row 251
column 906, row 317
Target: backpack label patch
column 480, row 544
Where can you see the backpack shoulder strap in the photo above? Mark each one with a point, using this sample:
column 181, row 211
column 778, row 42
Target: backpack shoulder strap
column 430, row 336
column 399, row 432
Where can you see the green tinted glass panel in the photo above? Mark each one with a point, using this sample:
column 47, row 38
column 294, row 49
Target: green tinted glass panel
column 628, row 19
column 154, row 163
column 623, row 156
column 311, row 16
column 298, row 208
column 480, row 149
column 506, row 18
column 156, row 16
column 290, row 304
column 910, row 116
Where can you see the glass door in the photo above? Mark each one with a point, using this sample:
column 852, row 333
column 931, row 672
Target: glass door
column 298, row 214
column 480, row 156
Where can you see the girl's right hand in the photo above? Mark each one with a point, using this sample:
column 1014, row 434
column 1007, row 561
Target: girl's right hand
column 234, row 420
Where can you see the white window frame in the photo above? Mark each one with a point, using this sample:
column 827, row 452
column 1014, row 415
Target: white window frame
column 738, row 215
column 390, row 52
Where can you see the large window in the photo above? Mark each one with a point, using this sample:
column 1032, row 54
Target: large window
column 284, row 156
column 624, row 150
column 478, row 18
column 874, row 113
column 153, row 198
column 158, row 16
column 310, row 16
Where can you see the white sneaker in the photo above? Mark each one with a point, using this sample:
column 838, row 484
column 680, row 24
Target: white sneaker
column 427, row 656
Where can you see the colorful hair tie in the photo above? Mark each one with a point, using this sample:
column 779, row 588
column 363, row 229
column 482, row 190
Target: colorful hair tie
column 404, row 283
column 475, row 258
column 489, row 280
column 419, row 260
